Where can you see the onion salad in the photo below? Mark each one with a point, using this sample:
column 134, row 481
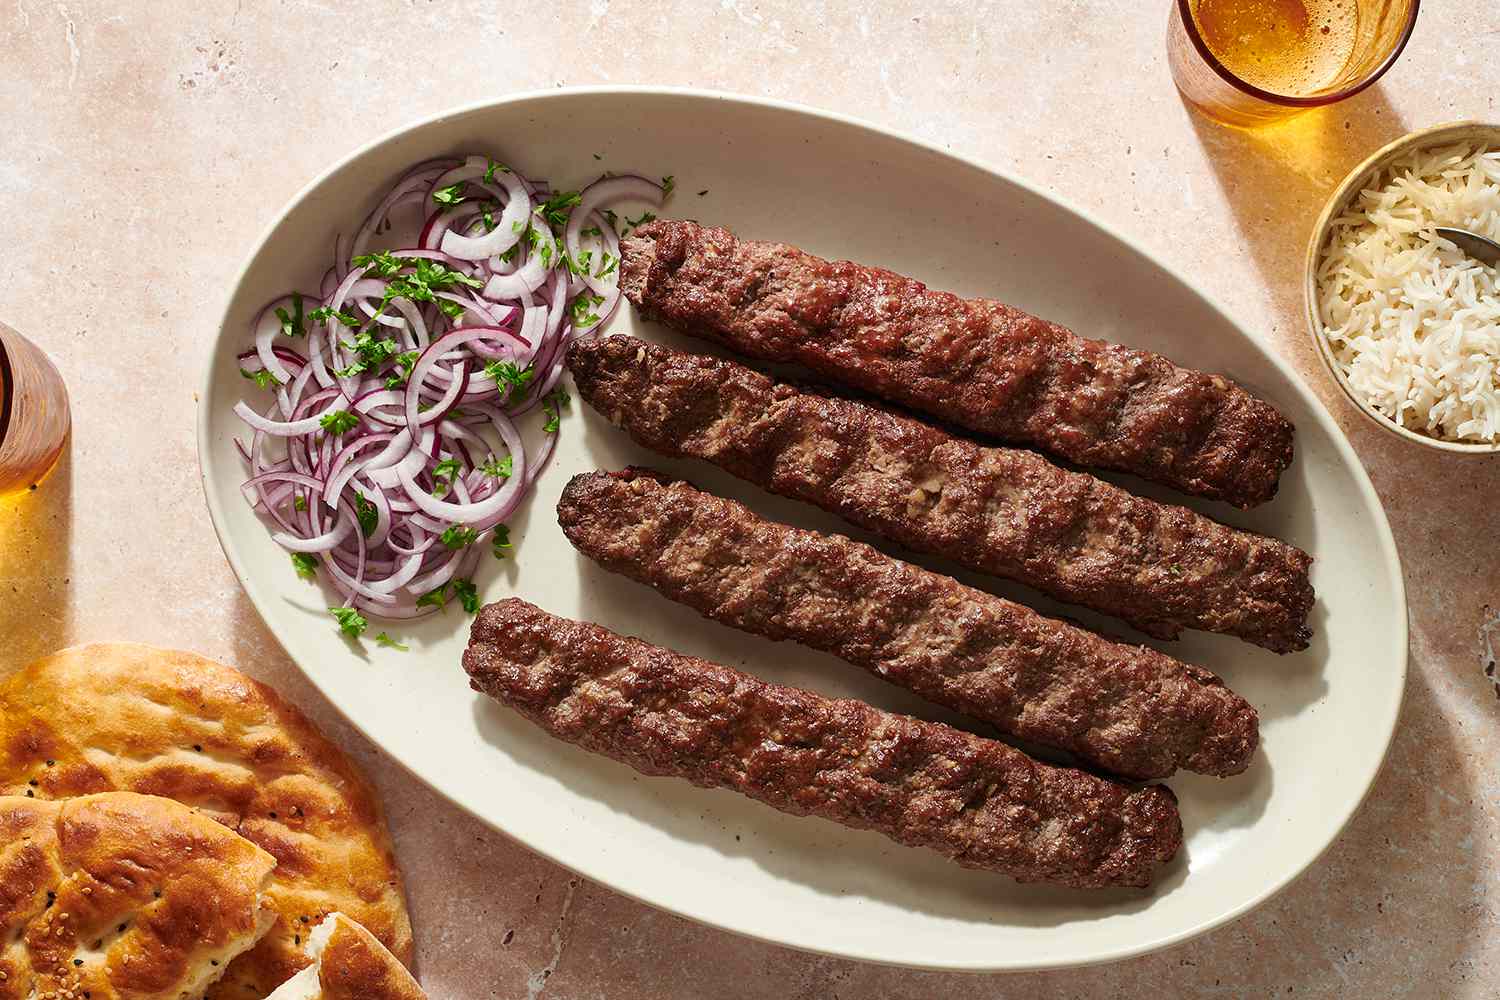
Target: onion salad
column 388, row 452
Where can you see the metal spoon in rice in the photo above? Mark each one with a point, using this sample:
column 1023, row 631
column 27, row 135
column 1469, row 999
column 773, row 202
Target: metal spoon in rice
column 1481, row 248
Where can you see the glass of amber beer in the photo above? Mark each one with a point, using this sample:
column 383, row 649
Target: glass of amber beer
column 1251, row 62
column 34, row 418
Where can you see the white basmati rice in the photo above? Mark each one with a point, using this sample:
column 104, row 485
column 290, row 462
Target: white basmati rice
column 1413, row 322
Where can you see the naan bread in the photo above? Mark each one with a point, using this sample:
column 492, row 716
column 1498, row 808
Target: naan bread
column 123, row 897
column 162, row 722
column 349, row 964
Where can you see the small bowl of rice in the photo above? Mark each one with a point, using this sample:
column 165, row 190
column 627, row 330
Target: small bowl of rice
column 1407, row 323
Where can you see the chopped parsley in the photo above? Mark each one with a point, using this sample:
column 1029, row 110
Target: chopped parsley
column 668, row 185
column 306, row 565
column 405, row 362
column 501, row 545
column 556, row 209
column 364, row 510
column 449, row 196
column 437, row 597
column 453, row 310
column 581, row 310
column 338, row 421
column 458, row 537
column 370, row 354
column 299, row 502
column 323, row 314
column 510, row 254
column 506, row 373
column 703, row 192
column 607, row 265
column 262, row 378
column 442, row 475
column 598, row 156
column 467, row 594
column 645, row 218
column 351, row 622
column 492, row 169
column 385, row 640
column 291, row 323
column 498, row 468
column 381, row 263
column 553, row 405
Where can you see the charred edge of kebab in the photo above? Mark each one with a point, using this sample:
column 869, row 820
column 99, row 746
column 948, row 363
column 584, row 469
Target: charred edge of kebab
column 1129, row 710
column 981, row 803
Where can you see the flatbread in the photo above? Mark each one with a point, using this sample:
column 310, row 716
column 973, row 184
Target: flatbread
column 349, row 964
column 123, row 897
column 163, row 722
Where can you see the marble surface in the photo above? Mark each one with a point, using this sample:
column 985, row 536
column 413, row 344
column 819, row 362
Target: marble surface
column 146, row 143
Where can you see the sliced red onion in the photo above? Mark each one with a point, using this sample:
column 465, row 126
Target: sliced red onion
column 430, row 419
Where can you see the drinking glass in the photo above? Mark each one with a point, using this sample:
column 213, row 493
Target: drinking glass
column 34, row 418
column 1252, row 62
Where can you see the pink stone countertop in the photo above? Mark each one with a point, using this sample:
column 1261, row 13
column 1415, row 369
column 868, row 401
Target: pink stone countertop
column 146, row 144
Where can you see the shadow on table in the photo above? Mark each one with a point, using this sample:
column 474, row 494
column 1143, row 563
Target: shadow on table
column 1278, row 177
column 36, row 527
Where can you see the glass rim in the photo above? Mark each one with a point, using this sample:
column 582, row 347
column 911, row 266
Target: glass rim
column 1189, row 25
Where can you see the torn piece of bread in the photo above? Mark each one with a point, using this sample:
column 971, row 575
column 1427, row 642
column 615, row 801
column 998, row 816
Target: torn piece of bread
column 349, row 964
column 137, row 718
column 123, row 897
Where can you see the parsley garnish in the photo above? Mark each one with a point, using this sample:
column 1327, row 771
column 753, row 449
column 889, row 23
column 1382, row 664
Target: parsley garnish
column 351, row 622
column 449, row 196
column 437, row 597
column 467, row 594
column 371, row 354
column 385, row 640
column 489, row 171
column 364, row 510
column 323, row 314
column 645, row 218
column 607, row 265
column 453, row 310
column 556, row 209
column 498, row 468
column 405, row 362
column 338, row 421
column 703, row 192
column 506, row 373
column 381, row 263
column 580, row 310
column 553, row 405
column 291, row 324
column 262, row 378
column 442, row 475
column 668, row 185
column 501, row 542
column 458, row 537
column 598, row 156
column 299, row 502
column 609, row 213
column 510, row 254
column 305, row 565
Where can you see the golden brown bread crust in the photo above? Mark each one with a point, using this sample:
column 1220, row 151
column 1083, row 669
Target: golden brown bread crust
column 355, row 966
column 163, row 722
column 122, row 897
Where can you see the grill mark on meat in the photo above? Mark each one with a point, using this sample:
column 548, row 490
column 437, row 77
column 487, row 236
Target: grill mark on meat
column 975, row 363
column 1005, row 511
column 1130, row 710
column 979, row 802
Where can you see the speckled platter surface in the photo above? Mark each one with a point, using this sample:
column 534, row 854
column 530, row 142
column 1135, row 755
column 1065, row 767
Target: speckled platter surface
column 840, row 189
